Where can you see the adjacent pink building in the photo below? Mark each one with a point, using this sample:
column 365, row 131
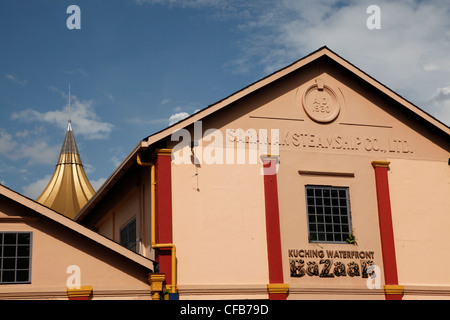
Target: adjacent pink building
column 46, row 255
column 316, row 182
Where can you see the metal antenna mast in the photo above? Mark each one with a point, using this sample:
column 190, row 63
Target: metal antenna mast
column 70, row 120
column 69, row 127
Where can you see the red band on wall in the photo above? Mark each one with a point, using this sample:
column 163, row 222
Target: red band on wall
column 164, row 212
column 386, row 228
column 273, row 228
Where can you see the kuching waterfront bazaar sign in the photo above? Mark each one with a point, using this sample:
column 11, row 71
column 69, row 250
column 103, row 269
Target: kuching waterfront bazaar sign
column 329, row 263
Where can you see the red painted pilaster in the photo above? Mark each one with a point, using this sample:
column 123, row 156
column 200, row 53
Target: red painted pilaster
column 275, row 264
column 164, row 210
column 386, row 228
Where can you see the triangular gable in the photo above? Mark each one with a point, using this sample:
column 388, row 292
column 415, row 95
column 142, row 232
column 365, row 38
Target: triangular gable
column 406, row 107
column 74, row 226
column 322, row 52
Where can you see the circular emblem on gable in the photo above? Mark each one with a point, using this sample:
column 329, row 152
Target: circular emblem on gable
column 321, row 103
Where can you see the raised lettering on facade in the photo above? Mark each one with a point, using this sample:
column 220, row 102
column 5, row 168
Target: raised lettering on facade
column 326, row 264
column 351, row 143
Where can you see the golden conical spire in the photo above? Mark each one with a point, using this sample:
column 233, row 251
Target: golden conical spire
column 69, row 188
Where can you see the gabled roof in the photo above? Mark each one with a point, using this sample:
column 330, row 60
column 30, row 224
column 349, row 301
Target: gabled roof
column 414, row 111
column 74, row 226
column 322, row 52
column 69, row 188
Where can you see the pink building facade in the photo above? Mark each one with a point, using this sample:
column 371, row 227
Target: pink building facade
column 316, row 182
column 45, row 255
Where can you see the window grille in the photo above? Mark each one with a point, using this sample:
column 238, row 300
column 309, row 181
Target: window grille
column 15, row 257
column 128, row 235
column 328, row 212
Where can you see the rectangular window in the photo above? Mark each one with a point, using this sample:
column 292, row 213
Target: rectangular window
column 15, row 257
column 128, row 235
column 328, row 212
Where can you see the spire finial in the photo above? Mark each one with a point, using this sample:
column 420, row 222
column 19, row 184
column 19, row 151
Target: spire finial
column 69, row 126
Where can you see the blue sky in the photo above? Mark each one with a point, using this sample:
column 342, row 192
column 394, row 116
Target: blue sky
column 136, row 65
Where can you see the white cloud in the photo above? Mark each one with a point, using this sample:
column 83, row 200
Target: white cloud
column 183, row 3
column 223, row 9
column 110, row 97
column 7, row 144
column 88, row 168
column 16, row 80
column 142, row 121
column 165, row 101
column 440, row 102
column 34, row 189
column 37, row 152
column 174, row 118
column 85, row 121
column 115, row 160
column 177, row 117
column 96, row 184
column 409, row 54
